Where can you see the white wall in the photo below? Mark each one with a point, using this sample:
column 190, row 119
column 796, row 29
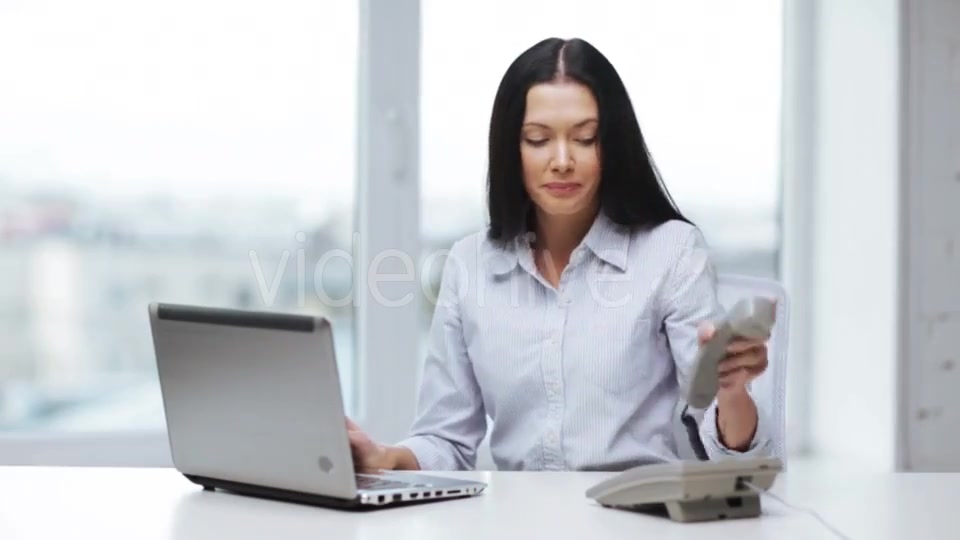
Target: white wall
column 930, row 362
column 884, row 291
column 855, row 231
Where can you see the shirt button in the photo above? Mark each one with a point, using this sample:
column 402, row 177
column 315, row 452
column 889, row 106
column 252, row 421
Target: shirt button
column 551, row 437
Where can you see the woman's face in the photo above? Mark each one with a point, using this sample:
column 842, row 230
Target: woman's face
column 559, row 148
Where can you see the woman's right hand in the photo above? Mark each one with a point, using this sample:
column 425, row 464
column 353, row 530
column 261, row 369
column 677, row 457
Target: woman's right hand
column 370, row 457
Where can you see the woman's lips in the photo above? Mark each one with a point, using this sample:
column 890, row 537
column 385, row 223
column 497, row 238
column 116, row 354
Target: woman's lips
column 562, row 189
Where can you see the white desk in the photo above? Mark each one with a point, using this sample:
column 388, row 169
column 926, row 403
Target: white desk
column 124, row 504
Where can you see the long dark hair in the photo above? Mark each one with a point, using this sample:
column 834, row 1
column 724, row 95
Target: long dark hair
column 631, row 190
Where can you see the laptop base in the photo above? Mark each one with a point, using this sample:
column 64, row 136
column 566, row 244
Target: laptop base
column 311, row 499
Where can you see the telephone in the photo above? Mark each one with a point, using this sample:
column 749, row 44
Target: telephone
column 702, row 490
column 691, row 490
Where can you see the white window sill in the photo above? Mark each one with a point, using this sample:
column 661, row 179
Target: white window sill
column 107, row 449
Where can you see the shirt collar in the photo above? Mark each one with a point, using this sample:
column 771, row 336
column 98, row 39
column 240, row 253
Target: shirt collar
column 607, row 240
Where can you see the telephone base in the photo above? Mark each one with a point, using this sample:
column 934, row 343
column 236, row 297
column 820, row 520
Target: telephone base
column 710, row 509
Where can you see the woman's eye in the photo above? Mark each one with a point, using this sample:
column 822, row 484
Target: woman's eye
column 536, row 142
column 587, row 142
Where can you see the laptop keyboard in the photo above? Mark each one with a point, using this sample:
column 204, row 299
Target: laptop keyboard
column 372, row 482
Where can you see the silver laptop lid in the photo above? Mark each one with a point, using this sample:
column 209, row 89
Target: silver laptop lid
column 253, row 397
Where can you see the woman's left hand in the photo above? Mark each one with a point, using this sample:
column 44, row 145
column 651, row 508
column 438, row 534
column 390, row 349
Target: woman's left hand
column 746, row 360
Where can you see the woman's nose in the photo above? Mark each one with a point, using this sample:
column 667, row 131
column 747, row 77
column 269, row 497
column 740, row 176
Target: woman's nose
column 561, row 158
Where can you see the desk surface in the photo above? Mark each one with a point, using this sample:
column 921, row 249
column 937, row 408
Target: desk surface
column 107, row 504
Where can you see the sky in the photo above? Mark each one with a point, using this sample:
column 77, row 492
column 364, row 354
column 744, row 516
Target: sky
column 204, row 98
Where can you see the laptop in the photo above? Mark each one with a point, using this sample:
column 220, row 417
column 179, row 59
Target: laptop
column 253, row 406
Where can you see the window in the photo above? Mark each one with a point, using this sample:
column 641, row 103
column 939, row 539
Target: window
column 704, row 78
column 191, row 151
column 179, row 151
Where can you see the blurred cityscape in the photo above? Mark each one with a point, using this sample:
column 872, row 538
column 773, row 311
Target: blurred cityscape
column 78, row 273
column 77, row 276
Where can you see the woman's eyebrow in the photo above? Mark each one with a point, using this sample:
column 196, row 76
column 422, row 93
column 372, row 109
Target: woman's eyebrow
column 579, row 124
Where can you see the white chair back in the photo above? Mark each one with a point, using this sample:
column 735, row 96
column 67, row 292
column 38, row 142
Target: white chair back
column 769, row 389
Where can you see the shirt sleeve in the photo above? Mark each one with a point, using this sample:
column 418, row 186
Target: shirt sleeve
column 760, row 446
column 451, row 420
column 691, row 298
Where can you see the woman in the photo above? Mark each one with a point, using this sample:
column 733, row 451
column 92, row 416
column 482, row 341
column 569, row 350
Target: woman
column 571, row 321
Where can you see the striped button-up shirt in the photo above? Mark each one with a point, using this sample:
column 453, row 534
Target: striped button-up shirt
column 582, row 376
